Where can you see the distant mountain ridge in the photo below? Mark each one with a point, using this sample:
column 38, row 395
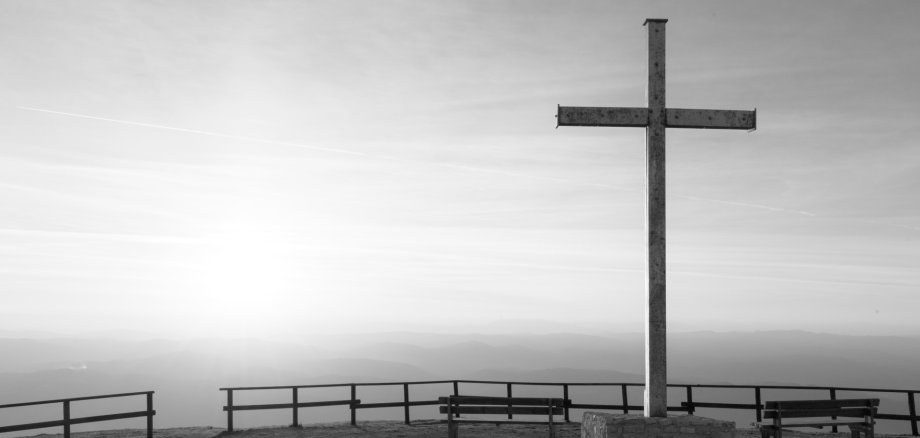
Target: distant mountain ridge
column 187, row 374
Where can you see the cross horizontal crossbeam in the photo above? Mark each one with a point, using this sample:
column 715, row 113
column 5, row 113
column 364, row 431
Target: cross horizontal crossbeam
column 639, row 117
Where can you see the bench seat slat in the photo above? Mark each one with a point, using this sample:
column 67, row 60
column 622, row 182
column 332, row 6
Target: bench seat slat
column 806, row 413
column 816, row 424
column 501, row 410
column 822, row 404
column 465, row 420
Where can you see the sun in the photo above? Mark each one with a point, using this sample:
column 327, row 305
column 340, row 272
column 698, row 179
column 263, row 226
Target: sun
column 242, row 280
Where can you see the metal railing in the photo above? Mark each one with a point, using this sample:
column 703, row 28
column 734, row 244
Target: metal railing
column 67, row 420
column 689, row 405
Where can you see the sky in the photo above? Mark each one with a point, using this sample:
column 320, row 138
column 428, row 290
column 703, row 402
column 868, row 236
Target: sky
column 260, row 168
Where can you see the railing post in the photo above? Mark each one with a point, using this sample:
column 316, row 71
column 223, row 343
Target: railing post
column 450, row 420
column 757, row 406
column 150, row 415
column 294, row 422
column 912, row 406
column 689, row 400
column 229, row 410
column 66, row 418
column 406, row 399
column 456, row 393
column 834, row 417
column 509, row 401
column 354, row 390
column 625, row 399
column 565, row 396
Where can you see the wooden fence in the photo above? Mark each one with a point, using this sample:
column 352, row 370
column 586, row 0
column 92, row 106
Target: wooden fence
column 67, row 420
column 689, row 404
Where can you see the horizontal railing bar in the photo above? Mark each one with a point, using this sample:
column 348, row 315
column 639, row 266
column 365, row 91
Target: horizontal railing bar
column 61, row 400
column 288, row 405
column 421, row 382
column 29, row 426
column 697, row 404
column 258, row 407
column 108, row 417
column 395, row 404
column 93, row 419
column 606, row 407
column 547, row 383
column 255, row 388
column 427, row 382
column 673, row 385
column 495, row 382
column 849, row 389
column 896, row 417
column 335, row 385
column 806, row 388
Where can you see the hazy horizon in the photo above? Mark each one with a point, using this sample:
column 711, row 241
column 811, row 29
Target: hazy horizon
column 242, row 168
column 333, row 336
column 186, row 374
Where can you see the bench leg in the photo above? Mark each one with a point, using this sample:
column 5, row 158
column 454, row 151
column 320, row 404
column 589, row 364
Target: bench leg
column 866, row 431
column 857, row 430
column 451, row 425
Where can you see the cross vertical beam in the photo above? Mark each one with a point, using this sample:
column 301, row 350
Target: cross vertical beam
column 655, row 119
column 656, row 401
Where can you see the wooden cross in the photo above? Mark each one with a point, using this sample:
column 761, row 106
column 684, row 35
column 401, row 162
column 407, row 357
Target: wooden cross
column 655, row 119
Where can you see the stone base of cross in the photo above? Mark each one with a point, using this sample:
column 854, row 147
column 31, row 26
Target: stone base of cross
column 655, row 118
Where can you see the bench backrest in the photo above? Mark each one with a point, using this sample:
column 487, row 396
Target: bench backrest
column 469, row 404
column 855, row 407
column 514, row 401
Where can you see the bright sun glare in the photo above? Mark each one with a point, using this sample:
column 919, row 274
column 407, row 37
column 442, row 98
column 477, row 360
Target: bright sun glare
column 244, row 279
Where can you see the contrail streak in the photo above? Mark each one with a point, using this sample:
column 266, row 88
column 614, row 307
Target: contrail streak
column 208, row 133
column 318, row 148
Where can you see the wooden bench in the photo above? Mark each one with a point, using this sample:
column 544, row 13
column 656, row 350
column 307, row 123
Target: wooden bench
column 468, row 404
column 821, row 413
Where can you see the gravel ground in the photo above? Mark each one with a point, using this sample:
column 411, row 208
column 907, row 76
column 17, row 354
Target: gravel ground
column 395, row 429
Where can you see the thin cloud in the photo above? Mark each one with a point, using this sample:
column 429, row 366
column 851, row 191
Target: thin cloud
column 750, row 205
column 397, row 159
column 120, row 237
column 787, row 279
